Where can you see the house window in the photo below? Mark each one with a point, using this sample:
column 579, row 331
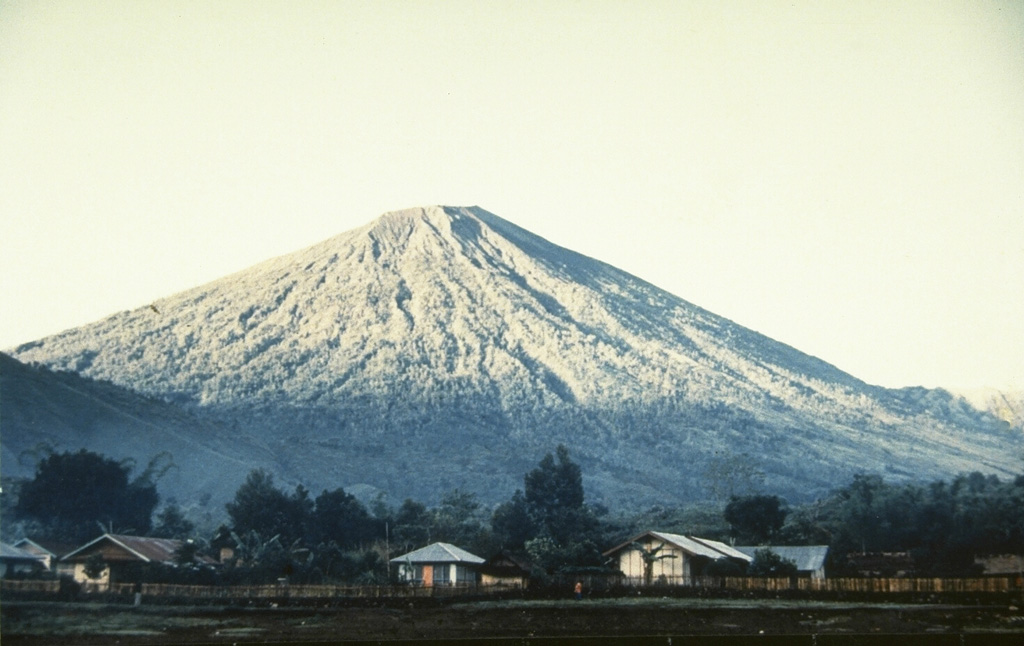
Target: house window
column 442, row 575
column 465, row 575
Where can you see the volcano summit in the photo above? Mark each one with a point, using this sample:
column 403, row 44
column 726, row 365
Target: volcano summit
column 445, row 347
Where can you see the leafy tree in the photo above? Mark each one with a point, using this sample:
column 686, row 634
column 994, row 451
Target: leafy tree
column 261, row 507
column 72, row 493
column 554, row 495
column 94, row 566
column 171, row 523
column 755, row 519
column 769, row 564
column 512, row 523
column 456, row 520
column 552, row 488
column 412, row 525
column 339, row 517
column 563, row 524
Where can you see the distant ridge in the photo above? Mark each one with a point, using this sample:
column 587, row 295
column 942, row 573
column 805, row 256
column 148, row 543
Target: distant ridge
column 444, row 347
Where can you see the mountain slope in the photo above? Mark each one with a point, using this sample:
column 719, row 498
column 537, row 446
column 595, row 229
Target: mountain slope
column 444, row 347
column 43, row 410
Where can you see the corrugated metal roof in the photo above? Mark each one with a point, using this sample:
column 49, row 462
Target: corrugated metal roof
column 12, row 553
column 44, row 546
column 728, row 550
column 158, row 550
column 808, row 558
column 438, row 553
column 691, row 544
column 702, row 546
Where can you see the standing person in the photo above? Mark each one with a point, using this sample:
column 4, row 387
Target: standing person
column 578, row 590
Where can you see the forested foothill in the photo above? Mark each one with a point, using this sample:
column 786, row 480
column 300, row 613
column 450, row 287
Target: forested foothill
column 269, row 532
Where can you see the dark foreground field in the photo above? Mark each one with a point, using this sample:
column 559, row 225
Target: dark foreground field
column 604, row 621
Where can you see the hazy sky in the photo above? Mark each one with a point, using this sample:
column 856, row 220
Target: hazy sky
column 847, row 178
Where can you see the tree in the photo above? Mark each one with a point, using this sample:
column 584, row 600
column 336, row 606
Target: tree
column 456, row 520
column 72, row 493
column 338, row 516
column 650, row 557
column 512, row 523
column 94, row 566
column 769, row 564
column 755, row 519
column 171, row 523
column 261, row 507
column 412, row 525
column 554, row 495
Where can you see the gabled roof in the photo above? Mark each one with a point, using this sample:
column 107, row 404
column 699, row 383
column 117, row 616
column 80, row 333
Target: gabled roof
column 12, row 553
column 808, row 558
column 55, row 549
column 149, row 550
column 438, row 553
column 689, row 544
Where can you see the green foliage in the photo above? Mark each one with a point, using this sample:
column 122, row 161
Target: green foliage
column 457, row 520
column 412, row 525
column 563, row 527
column 339, row 517
column 73, row 492
column 552, row 489
column 261, row 507
column 171, row 523
column 767, row 563
column 755, row 519
column 943, row 525
column 512, row 523
column 95, row 566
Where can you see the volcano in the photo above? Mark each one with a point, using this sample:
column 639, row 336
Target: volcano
column 444, row 347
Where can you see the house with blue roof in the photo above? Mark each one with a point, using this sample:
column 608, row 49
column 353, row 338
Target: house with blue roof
column 438, row 564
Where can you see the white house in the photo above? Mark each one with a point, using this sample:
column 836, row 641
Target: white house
column 438, row 564
column 674, row 559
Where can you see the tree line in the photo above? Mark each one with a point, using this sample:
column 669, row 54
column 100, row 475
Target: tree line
column 332, row 536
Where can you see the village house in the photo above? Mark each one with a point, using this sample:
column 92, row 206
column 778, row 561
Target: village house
column 809, row 559
column 15, row 561
column 504, row 569
column 119, row 554
column 438, row 564
column 49, row 552
column 672, row 559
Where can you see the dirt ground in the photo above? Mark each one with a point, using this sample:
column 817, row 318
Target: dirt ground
column 604, row 621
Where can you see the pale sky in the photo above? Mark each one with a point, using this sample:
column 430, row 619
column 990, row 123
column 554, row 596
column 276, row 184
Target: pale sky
column 847, row 178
